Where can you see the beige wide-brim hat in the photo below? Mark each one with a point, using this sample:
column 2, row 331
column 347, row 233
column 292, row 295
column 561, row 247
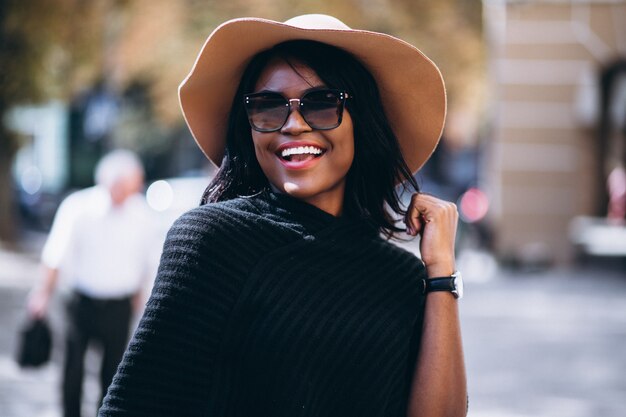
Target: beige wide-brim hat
column 410, row 84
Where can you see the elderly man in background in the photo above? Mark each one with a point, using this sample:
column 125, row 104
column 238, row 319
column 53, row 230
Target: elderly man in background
column 102, row 241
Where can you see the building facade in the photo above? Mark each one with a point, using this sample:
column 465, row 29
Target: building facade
column 547, row 164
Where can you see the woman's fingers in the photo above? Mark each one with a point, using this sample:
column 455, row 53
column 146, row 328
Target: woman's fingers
column 436, row 221
column 423, row 208
column 413, row 218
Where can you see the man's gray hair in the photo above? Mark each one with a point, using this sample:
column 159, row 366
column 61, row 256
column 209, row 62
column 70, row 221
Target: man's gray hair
column 117, row 165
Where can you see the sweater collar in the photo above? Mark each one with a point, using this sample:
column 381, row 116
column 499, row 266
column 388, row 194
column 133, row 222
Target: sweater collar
column 313, row 219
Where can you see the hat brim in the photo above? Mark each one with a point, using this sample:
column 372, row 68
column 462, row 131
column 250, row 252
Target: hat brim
column 410, row 84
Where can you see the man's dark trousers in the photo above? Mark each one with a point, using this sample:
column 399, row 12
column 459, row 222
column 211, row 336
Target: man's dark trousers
column 105, row 321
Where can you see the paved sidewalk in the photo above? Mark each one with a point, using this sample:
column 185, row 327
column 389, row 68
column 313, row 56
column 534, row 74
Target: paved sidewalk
column 32, row 392
column 549, row 344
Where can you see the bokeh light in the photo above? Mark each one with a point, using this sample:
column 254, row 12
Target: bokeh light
column 473, row 205
column 160, row 195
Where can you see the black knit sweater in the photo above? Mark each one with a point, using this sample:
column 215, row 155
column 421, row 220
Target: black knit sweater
column 268, row 306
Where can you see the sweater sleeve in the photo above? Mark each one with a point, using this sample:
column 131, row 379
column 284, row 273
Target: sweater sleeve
column 166, row 369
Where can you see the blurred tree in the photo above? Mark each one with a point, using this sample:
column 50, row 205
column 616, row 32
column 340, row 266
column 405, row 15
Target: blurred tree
column 48, row 49
column 21, row 46
column 57, row 48
column 159, row 39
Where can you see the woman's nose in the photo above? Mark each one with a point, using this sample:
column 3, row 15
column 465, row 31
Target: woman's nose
column 295, row 123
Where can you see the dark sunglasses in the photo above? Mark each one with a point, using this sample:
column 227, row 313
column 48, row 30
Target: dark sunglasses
column 321, row 109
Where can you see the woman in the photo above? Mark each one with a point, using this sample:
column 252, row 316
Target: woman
column 279, row 297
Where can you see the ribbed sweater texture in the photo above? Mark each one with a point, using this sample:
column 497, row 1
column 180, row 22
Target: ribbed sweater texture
column 269, row 306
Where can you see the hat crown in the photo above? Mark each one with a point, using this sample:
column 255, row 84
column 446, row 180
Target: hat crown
column 317, row 21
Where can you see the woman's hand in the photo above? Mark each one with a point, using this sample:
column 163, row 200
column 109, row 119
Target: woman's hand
column 435, row 221
column 439, row 386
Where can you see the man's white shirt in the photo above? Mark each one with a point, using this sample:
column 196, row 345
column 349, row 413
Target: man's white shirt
column 104, row 251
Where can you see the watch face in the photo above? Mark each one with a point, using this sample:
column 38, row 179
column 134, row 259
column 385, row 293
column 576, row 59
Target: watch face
column 458, row 283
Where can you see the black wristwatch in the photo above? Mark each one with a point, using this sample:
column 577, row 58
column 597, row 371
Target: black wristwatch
column 452, row 283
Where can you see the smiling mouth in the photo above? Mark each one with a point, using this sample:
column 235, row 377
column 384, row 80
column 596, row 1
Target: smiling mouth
column 300, row 153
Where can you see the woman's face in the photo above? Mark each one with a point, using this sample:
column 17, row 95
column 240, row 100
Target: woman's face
column 317, row 179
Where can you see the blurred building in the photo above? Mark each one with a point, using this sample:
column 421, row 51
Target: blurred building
column 548, row 163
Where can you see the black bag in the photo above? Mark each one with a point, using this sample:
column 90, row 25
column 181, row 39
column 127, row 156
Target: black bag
column 34, row 344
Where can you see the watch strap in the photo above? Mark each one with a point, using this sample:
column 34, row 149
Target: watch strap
column 439, row 284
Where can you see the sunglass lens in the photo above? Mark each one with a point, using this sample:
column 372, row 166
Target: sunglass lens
column 267, row 112
column 322, row 109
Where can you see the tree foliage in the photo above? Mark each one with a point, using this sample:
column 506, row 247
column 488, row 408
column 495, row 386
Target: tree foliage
column 56, row 48
column 44, row 45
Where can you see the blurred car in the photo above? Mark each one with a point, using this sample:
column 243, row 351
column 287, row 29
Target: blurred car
column 598, row 236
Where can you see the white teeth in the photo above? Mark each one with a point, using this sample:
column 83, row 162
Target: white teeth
column 301, row 150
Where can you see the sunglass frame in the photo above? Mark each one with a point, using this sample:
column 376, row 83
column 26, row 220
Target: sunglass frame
column 340, row 106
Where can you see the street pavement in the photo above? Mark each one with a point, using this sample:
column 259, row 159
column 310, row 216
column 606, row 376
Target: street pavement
column 540, row 344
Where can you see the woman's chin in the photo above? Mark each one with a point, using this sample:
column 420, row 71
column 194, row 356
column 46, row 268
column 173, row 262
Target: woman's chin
column 290, row 188
column 293, row 189
column 299, row 191
column 329, row 199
